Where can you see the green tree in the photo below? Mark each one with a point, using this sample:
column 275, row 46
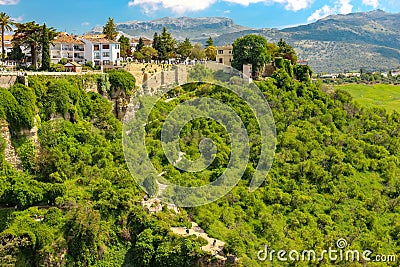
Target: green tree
column 125, row 46
column 121, row 81
column 210, row 42
column 5, row 24
column 144, row 249
column 83, row 232
column 211, row 53
column 110, row 29
column 287, row 52
column 162, row 50
column 148, row 53
column 197, row 52
column 46, row 61
column 140, row 44
column 139, row 56
column 155, row 41
column 168, row 43
column 185, row 48
column 250, row 49
column 29, row 35
column 16, row 53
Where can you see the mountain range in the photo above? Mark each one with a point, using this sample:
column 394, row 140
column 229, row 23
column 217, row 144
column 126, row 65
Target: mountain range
column 337, row 43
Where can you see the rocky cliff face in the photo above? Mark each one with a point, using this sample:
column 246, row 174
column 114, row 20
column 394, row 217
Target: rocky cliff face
column 11, row 155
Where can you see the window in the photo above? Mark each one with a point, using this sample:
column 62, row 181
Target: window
column 230, row 51
column 96, row 47
column 106, row 54
column 117, row 46
column 106, row 62
column 106, row 46
column 220, row 52
column 97, row 55
column 221, row 60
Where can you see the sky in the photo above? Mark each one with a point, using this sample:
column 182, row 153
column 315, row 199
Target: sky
column 79, row 16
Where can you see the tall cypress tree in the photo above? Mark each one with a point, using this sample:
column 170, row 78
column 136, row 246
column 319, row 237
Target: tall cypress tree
column 46, row 61
column 162, row 50
column 110, row 29
column 140, row 45
column 210, row 42
column 155, row 41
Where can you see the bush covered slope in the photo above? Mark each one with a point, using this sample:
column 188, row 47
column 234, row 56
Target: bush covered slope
column 336, row 175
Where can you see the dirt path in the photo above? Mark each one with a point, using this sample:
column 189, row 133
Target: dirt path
column 214, row 246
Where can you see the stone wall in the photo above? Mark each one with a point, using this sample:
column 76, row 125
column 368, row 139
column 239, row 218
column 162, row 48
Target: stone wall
column 6, row 81
column 177, row 76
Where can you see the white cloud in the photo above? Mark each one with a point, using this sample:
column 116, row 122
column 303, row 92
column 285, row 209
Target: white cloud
column 177, row 6
column 85, row 23
column 344, row 6
column 321, row 13
column 8, row 2
column 182, row 6
column 17, row 19
column 340, row 7
column 373, row 3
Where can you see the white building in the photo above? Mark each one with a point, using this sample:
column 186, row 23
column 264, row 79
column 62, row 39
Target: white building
column 7, row 44
column 68, row 47
column 102, row 52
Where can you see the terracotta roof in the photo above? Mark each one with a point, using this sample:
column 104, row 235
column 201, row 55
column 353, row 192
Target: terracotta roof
column 67, row 39
column 135, row 40
column 94, row 36
column 101, row 41
column 7, row 38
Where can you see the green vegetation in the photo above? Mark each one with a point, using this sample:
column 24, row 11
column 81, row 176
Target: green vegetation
column 75, row 201
column 336, row 172
column 33, row 36
column 46, row 60
column 251, row 49
column 378, row 95
column 5, row 25
column 110, row 29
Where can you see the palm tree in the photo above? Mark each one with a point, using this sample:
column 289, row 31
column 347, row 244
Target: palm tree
column 29, row 35
column 5, row 24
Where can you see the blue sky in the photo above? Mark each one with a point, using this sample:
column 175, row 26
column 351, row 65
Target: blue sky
column 79, row 16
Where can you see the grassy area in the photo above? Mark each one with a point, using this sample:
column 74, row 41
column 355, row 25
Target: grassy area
column 379, row 95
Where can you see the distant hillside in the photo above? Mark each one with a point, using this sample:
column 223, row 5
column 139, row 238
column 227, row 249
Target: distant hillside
column 341, row 42
column 336, row 43
column 194, row 28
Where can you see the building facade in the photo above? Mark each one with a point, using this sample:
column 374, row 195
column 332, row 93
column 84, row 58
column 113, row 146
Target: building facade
column 224, row 54
column 68, row 47
column 102, row 52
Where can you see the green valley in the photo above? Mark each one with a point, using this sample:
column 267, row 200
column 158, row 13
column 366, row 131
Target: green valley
column 378, row 95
